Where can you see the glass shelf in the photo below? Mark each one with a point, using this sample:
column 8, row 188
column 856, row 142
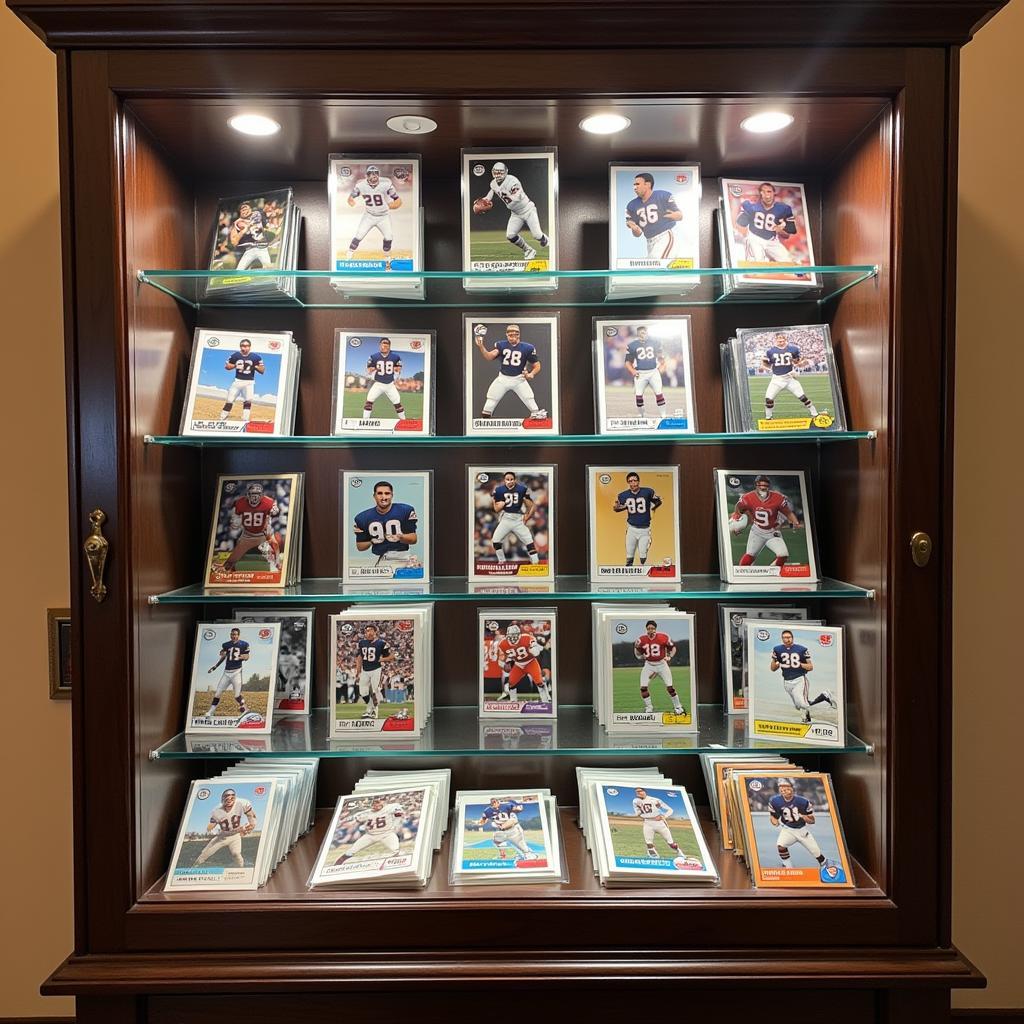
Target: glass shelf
column 520, row 440
column 332, row 590
column 444, row 289
column 459, row 730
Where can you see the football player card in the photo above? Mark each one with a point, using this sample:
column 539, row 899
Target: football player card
column 222, row 836
column 633, row 514
column 795, row 678
column 386, row 525
column 518, row 663
column 509, row 214
column 234, row 666
column 793, row 837
column 648, row 667
column 765, row 532
column 504, row 834
column 511, row 375
column 511, row 522
column 644, row 376
column 254, row 539
column 383, row 383
column 293, row 688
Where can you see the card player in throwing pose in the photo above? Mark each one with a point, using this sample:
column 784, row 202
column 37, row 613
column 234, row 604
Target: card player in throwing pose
column 522, row 210
column 503, row 817
column 226, row 821
column 249, row 235
column 519, row 364
column 795, row 661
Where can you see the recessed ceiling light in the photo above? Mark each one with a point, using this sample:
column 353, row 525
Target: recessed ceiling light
column 411, row 124
column 254, row 124
column 767, row 121
column 604, row 124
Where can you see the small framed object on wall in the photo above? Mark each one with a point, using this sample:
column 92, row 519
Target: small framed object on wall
column 58, row 634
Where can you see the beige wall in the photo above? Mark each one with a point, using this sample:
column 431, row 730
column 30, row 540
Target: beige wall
column 988, row 836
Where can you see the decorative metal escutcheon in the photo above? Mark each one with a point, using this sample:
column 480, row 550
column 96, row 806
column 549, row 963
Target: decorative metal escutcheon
column 96, row 548
column 920, row 549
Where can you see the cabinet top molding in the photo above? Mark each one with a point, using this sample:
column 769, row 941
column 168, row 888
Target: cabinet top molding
column 539, row 24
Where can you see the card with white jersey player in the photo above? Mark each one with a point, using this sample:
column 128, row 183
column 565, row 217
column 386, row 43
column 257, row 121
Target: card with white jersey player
column 796, row 689
column 383, row 383
column 765, row 529
column 633, row 514
column 518, row 663
column 511, row 522
column 643, row 372
column 234, row 666
column 254, row 538
column 511, row 377
column 293, row 688
column 509, row 217
column 793, row 836
column 386, row 526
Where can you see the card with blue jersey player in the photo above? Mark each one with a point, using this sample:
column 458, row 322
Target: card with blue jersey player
column 383, row 383
column 792, row 833
column 385, row 526
column 795, row 682
column 511, row 522
column 633, row 514
column 643, row 376
column 234, row 667
column 511, row 379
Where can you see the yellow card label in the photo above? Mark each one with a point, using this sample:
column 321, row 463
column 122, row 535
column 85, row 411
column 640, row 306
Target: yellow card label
column 766, row 727
column 791, row 423
column 669, row 718
column 533, row 570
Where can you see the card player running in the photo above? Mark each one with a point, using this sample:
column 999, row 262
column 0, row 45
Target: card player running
column 503, row 817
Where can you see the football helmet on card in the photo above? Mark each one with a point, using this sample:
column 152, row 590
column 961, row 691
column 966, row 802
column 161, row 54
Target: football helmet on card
column 498, row 172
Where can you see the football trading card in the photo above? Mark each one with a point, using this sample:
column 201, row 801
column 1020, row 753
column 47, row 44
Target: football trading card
column 239, row 383
column 438, row 780
column 234, row 666
column 380, row 654
column 511, row 522
column 509, row 215
column 787, row 379
column 386, row 525
column 794, row 838
column 383, row 383
column 511, row 375
column 221, row 836
column 293, row 692
column 633, row 523
column 648, row 664
column 644, row 376
column 765, row 532
column 505, row 834
column 796, row 691
column 255, row 534
column 518, row 674
column 734, row 644
column 765, row 224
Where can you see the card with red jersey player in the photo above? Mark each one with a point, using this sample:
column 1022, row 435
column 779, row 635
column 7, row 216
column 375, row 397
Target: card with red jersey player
column 765, row 532
column 256, row 534
column 518, row 663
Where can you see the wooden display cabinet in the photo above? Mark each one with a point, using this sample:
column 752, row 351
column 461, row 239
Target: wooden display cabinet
column 145, row 92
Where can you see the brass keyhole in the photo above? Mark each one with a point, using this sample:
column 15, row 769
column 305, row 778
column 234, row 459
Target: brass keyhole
column 921, row 548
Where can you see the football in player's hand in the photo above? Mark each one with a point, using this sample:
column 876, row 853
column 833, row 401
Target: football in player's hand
column 241, row 224
column 482, row 205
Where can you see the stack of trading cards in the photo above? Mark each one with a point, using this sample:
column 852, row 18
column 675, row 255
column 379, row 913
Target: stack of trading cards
column 633, row 523
column 244, row 383
column 733, row 416
column 782, row 378
column 506, row 836
column 511, row 375
column 654, row 225
column 383, row 383
column 509, row 219
column 255, row 232
column 385, row 522
column 511, row 517
column 256, row 533
column 643, row 376
column 382, row 657
column 641, row 829
column 645, row 679
column 795, row 677
column 518, row 664
column 293, row 687
column 376, row 224
column 765, row 529
column 384, row 834
column 239, row 826
column 765, row 224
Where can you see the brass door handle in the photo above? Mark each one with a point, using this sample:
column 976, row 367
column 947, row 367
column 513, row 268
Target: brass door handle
column 96, row 548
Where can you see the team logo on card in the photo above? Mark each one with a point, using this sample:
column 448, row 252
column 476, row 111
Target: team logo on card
column 400, row 173
column 347, row 627
column 763, row 634
column 415, row 344
column 612, row 792
column 260, row 790
column 606, row 479
column 355, row 342
column 825, row 640
column 682, row 179
column 405, row 625
column 251, row 720
column 209, row 634
column 275, row 345
column 621, row 628
column 356, row 481
column 266, row 634
column 734, row 481
column 611, row 331
column 755, row 785
column 481, row 478
column 345, row 172
column 213, row 342
column 478, row 169
column 736, row 190
column 202, row 794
